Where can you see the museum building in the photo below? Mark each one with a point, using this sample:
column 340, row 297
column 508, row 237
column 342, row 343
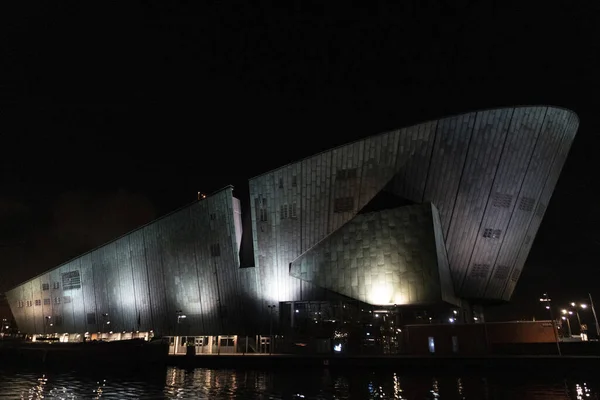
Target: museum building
column 426, row 223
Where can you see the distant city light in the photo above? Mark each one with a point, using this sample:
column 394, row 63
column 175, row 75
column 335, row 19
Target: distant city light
column 337, row 347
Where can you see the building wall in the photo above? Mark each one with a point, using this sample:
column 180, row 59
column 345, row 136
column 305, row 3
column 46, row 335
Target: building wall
column 489, row 173
column 383, row 257
column 142, row 279
column 478, row 338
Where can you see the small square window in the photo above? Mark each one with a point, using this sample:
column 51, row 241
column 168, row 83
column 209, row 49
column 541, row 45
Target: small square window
column 215, row 250
column 501, row 200
column 20, row 304
column 38, row 302
column 56, row 285
column 262, row 208
column 293, row 213
column 492, row 233
column 343, row 204
column 526, row 204
column 45, row 286
column 501, row 272
column 29, row 303
column 67, row 299
column 46, row 302
column 57, row 300
column 283, row 211
column 348, row 173
column 479, row 271
column 515, row 275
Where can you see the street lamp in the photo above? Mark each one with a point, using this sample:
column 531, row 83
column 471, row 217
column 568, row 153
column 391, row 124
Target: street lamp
column 595, row 316
column 180, row 316
column 577, row 314
column 568, row 324
column 271, row 307
column 105, row 321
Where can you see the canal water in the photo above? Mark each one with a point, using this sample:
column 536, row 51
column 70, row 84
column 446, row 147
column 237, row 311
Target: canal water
column 201, row 383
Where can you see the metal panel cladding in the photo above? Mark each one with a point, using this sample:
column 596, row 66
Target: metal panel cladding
column 489, row 173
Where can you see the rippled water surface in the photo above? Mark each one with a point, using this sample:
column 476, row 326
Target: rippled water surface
column 200, row 383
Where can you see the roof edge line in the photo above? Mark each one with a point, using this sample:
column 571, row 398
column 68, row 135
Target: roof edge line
column 122, row 236
column 410, row 126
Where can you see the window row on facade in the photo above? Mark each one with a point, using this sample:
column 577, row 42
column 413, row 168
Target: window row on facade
column 290, row 210
column 341, row 175
column 55, row 285
column 47, row 301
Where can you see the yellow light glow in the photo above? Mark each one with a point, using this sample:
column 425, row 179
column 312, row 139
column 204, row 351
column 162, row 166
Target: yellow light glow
column 382, row 294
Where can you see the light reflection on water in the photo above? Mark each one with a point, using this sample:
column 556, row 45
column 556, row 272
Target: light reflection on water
column 202, row 383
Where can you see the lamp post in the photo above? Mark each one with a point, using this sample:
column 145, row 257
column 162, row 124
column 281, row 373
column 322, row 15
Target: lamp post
column 595, row 317
column 105, row 321
column 568, row 324
column 567, row 317
column 574, row 307
column 180, row 316
column 548, row 301
column 271, row 307
column 48, row 318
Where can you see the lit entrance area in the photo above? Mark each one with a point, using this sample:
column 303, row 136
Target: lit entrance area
column 178, row 345
column 90, row 337
column 222, row 344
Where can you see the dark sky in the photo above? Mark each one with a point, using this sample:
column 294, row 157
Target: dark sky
column 113, row 114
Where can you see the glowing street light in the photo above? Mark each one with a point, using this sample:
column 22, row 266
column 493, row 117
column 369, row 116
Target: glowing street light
column 568, row 325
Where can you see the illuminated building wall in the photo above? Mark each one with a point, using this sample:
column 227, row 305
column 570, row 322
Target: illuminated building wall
column 186, row 261
column 489, row 173
column 433, row 213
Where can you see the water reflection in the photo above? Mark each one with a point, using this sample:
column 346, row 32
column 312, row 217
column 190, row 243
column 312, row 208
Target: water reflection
column 176, row 383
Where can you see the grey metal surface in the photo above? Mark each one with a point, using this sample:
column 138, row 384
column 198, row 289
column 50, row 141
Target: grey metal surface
column 484, row 171
column 489, row 174
column 381, row 258
column 142, row 279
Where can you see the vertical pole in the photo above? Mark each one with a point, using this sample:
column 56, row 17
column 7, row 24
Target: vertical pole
column 271, row 330
column 246, row 344
column 555, row 328
column 595, row 317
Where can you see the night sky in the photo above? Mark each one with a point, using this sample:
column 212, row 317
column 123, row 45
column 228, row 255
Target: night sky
column 112, row 115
